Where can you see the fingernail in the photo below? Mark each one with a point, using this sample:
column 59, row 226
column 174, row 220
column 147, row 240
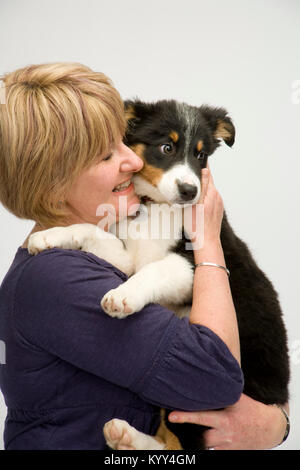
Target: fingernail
column 173, row 418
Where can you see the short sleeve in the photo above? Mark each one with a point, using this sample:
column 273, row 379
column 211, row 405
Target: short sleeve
column 196, row 372
column 165, row 360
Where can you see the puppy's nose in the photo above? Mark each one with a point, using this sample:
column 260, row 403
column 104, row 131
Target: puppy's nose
column 187, row 191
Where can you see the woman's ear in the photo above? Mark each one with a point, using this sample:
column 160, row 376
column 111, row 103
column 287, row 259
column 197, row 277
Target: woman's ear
column 220, row 123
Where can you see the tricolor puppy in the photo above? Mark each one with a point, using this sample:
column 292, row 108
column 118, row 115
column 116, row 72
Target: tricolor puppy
column 174, row 141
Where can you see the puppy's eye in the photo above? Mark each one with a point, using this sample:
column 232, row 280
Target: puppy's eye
column 201, row 156
column 167, row 149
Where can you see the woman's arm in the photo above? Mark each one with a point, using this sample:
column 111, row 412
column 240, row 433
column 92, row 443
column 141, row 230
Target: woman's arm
column 57, row 308
column 212, row 301
column 247, row 425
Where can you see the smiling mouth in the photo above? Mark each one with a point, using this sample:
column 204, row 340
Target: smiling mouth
column 122, row 186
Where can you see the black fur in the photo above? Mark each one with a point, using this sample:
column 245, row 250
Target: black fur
column 264, row 352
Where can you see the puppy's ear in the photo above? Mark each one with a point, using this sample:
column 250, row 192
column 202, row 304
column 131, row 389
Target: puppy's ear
column 136, row 111
column 130, row 112
column 139, row 116
column 220, row 124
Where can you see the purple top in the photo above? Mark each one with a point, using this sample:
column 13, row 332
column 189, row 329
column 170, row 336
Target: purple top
column 70, row 367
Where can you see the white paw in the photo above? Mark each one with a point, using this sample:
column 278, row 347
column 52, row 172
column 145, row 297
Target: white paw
column 57, row 237
column 119, row 435
column 121, row 302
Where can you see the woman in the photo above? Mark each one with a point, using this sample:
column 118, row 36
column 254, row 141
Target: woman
column 69, row 367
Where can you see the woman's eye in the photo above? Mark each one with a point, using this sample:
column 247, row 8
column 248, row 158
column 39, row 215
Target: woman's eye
column 167, row 149
column 107, row 158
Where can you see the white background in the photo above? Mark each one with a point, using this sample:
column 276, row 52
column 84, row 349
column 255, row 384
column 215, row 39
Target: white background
column 240, row 54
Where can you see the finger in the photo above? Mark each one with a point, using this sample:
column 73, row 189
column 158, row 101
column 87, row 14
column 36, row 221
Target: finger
column 211, row 184
column 208, row 168
column 205, row 418
column 213, row 439
column 211, row 179
column 205, row 177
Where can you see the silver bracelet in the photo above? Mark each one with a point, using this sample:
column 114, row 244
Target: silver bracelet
column 287, row 429
column 214, row 265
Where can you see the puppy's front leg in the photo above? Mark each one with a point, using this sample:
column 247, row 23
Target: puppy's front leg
column 85, row 237
column 72, row 237
column 121, row 436
column 169, row 280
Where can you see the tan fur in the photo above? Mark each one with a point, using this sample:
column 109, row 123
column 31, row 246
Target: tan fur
column 165, row 436
column 223, row 131
column 199, row 145
column 152, row 174
column 148, row 172
column 174, row 136
column 129, row 113
column 139, row 150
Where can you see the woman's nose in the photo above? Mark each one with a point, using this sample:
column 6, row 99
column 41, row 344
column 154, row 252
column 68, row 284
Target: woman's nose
column 131, row 162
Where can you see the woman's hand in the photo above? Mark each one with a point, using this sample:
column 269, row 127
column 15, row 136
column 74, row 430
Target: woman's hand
column 212, row 306
column 247, row 425
column 211, row 203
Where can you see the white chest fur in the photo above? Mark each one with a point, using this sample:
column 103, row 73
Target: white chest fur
column 141, row 249
column 150, row 236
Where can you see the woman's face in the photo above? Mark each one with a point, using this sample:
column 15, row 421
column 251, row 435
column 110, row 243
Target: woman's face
column 96, row 192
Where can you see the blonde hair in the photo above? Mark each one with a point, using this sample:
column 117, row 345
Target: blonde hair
column 57, row 118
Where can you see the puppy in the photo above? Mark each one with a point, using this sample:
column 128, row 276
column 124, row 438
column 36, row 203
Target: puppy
column 174, row 141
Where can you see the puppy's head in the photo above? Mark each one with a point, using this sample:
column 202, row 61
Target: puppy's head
column 174, row 140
